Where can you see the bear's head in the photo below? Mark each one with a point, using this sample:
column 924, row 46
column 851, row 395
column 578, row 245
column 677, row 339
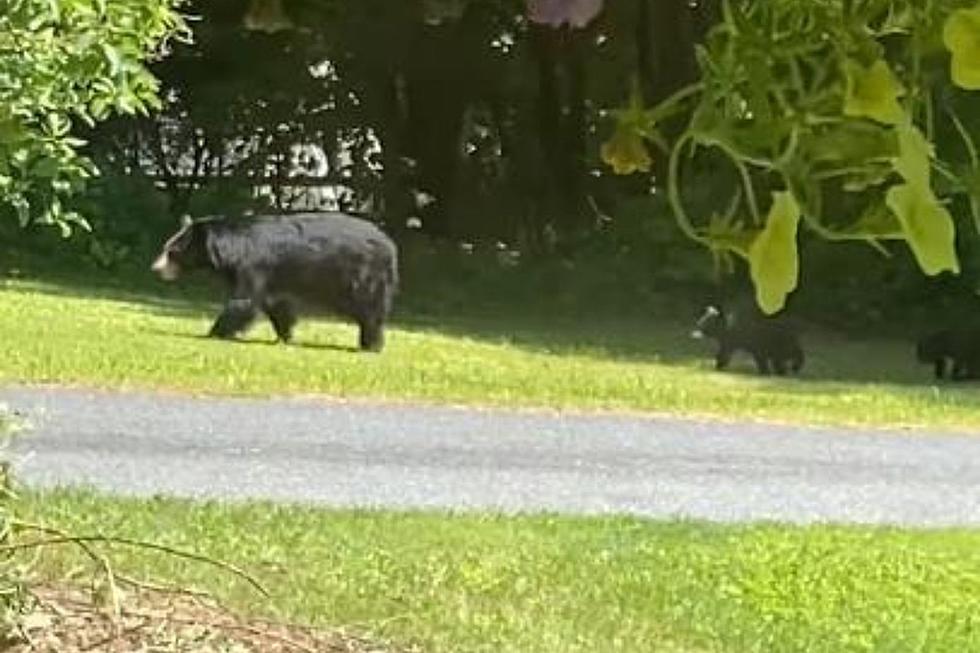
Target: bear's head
column 185, row 250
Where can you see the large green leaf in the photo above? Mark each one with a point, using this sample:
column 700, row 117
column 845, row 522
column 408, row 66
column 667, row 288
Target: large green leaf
column 927, row 225
column 914, row 154
column 961, row 35
column 773, row 256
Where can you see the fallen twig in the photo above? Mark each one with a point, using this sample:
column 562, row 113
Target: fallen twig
column 60, row 537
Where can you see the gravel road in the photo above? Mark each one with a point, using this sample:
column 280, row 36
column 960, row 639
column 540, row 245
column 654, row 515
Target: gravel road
column 399, row 456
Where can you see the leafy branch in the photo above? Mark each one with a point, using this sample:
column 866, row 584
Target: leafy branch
column 834, row 103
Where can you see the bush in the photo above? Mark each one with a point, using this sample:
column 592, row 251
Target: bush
column 13, row 595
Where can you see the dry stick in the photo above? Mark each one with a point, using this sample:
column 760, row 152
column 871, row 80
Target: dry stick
column 112, row 577
column 161, row 589
column 85, row 539
column 81, row 540
column 93, row 555
column 128, row 580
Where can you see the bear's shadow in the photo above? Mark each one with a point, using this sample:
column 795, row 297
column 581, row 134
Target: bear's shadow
column 243, row 342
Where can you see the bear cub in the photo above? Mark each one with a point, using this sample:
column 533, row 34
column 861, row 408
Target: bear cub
column 772, row 343
column 952, row 352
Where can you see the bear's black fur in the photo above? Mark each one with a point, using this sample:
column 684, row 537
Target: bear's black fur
column 960, row 348
column 773, row 343
column 280, row 265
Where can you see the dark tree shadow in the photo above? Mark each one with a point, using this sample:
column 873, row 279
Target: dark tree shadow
column 663, row 338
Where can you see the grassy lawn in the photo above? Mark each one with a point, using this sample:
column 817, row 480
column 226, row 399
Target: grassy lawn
column 120, row 338
column 562, row 585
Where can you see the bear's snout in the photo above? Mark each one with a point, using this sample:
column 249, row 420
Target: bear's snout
column 164, row 267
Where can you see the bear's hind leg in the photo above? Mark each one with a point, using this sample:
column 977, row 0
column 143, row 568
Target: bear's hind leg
column 761, row 363
column 963, row 370
column 283, row 317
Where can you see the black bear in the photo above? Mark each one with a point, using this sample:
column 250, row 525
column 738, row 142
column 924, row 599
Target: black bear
column 773, row 343
column 958, row 347
column 278, row 265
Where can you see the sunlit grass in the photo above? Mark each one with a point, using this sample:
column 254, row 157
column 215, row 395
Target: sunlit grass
column 52, row 335
column 543, row 584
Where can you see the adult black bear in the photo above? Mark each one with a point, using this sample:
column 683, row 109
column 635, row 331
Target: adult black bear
column 773, row 343
column 958, row 347
column 279, row 265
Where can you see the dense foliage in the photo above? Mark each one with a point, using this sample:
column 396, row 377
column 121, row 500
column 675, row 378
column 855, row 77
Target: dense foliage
column 546, row 125
column 855, row 116
column 60, row 63
column 12, row 591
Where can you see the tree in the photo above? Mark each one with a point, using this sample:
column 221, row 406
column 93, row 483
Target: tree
column 62, row 62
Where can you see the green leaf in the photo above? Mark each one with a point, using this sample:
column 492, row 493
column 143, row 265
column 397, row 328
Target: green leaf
column 723, row 235
column 851, row 142
column 54, row 10
column 23, row 210
column 112, row 56
column 927, row 225
column 773, row 256
column 961, row 35
column 877, row 222
column 914, row 155
column 58, row 124
column 873, row 92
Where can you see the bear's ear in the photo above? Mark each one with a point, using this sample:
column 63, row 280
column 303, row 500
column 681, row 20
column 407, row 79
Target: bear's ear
column 186, row 221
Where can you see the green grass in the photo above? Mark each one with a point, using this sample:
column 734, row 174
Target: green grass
column 115, row 338
column 545, row 584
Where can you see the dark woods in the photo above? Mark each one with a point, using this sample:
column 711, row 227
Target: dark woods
column 464, row 116
column 459, row 122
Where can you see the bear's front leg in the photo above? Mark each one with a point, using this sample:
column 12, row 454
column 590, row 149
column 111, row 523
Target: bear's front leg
column 372, row 337
column 761, row 363
column 234, row 319
column 242, row 307
column 962, row 371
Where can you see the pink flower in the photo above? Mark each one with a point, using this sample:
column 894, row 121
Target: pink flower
column 577, row 13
